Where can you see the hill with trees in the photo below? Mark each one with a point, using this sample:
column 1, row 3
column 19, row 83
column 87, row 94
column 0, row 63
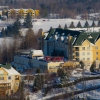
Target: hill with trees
column 66, row 8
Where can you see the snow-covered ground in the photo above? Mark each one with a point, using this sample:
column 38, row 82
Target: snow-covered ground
column 59, row 91
column 45, row 24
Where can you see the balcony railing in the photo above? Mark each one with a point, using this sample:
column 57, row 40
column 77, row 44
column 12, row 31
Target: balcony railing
column 76, row 49
column 5, row 86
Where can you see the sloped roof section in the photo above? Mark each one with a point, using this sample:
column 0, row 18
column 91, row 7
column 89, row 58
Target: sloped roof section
column 11, row 71
column 85, row 36
column 62, row 32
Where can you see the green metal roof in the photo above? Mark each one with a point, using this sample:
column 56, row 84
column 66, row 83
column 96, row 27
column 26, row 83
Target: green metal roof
column 91, row 37
column 77, row 37
column 7, row 66
column 61, row 31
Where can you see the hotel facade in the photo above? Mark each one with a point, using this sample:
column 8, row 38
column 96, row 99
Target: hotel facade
column 74, row 45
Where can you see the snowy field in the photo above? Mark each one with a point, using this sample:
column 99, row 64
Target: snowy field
column 54, row 92
column 45, row 24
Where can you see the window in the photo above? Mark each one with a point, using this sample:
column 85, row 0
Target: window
column 1, row 78
column 77, row 48
column 77, row 53
column 83, row 58
column 9, row 77
column 97, row 58
column 83, row 53
column 77, row 59
column 88, row 48
column 96, row 53
column 88, row 53
column 17, row 84
column 88, row 64
column 88, row 58
column 96, row 47
column 83, row 48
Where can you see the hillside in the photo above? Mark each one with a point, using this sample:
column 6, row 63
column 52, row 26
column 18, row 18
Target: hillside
column 66, row 8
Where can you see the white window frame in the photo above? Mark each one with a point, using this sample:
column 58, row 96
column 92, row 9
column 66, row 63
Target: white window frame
column 88, row 48
column 88, row 59
column 83, row 47
column 83, row 59
column 83, row 53
column 88, row 53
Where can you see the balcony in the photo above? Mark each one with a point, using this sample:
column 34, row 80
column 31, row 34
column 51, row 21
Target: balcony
column 77, row 54
column 76, row 49
column 77, row 59
column 4, row 87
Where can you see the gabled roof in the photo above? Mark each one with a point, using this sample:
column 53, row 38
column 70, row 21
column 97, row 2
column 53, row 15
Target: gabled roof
column 62, row 32
column 11, row 71
column 86, row 36
column 77, row 37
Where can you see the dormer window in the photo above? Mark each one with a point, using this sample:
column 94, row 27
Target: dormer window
column 90, row 37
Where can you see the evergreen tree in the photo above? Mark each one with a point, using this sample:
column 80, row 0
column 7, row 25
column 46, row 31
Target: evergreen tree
column 28, row 98
column 38, row 82
column 93, row 24
column 28, row 21
column 65, row 26
column 59, row 26
column 64, row 78
column 60, row 72
column 17, row 26
column 3, row 33
column 72, row 25
column 21, row 91
column 82, row 64
column 79, row 25
column 99, row 23
column 0, row 16
column 93, row 66
column 51, row 28
column 86, row 24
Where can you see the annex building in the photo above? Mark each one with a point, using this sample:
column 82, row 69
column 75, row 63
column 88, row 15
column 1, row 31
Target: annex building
column 34, row 60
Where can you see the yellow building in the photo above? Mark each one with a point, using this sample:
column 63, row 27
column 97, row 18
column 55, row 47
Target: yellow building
column 12, row 13
column 9, row 80
column 87, row 48
column 75, row 45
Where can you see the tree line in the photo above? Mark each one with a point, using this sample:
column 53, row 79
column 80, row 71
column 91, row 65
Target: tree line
column 66, row 8
column 7, row 50
column 79, row 25
column 14, row 29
